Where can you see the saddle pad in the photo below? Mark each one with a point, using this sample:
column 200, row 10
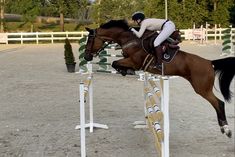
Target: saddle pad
column 170, row 53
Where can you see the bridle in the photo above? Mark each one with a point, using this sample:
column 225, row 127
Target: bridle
column 91, row 39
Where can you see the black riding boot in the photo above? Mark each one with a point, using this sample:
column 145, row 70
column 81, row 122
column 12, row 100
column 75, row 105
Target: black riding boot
column 158, row 54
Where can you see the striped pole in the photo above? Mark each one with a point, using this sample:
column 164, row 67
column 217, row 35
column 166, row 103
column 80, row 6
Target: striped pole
column 157, row 111
column 227, row 42
column 81, row 51
column 104, row 66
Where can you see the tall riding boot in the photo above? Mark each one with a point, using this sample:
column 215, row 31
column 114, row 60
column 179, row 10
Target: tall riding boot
column 158, row 54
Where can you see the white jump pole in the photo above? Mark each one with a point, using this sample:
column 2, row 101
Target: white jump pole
column 142, row 124
column 82, row 121
column 165, row 110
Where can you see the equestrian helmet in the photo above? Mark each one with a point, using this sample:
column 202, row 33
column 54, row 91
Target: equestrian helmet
column 138, row 16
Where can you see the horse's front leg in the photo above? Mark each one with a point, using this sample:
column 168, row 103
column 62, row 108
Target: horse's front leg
column 124, row 66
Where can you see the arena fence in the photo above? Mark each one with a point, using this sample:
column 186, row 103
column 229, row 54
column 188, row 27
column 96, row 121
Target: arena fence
column 202, row 34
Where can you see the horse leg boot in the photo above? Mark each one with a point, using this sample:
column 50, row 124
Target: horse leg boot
column 222, row 119
column 158, row 54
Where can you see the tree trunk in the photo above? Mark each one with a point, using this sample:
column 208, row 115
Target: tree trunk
column 2, row 16
column 215, row 5
column 183, row 5
column 61, row 22
column 32, row 28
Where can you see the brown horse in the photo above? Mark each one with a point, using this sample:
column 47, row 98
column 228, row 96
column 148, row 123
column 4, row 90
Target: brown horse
column 198, row 71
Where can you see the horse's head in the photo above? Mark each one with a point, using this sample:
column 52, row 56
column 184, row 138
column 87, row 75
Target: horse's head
column 107, row 32
column 95, row 44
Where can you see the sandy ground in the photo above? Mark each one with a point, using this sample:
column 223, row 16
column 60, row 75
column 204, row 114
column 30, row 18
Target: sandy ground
column 39, row 110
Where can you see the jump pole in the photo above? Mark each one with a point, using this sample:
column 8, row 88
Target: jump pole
column 82, row 125
column 166, row 119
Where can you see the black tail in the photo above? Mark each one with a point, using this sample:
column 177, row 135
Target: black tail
column 226, row 70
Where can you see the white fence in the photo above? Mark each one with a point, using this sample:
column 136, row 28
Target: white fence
column 205, row 34
column 202, row 34
column 38, row 37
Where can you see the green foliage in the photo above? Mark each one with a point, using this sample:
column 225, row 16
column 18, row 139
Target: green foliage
column 29, row 9
column 68, row 7
column 232, row 15
column 68, row 53
column 104, row 10
column 154, row 8
column 183, row 12
column 221, row 14
column 187, row 13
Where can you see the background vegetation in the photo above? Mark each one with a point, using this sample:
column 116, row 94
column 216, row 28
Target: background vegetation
column 75, row 14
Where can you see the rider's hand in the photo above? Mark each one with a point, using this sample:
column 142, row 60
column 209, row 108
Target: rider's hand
column 130, row 28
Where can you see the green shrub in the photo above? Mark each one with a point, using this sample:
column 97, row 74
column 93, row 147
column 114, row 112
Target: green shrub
column 68, row 53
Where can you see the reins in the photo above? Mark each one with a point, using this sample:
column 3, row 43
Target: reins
column 102, row 48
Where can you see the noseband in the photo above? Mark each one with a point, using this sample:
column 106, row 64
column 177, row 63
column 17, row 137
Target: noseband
column 92, row 37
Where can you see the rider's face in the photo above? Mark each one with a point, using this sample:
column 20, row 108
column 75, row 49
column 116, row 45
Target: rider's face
column 138, row 22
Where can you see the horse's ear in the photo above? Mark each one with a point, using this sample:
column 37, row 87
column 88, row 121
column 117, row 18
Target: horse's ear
column 88, row 29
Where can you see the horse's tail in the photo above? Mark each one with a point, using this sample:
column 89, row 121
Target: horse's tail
column 225, row 69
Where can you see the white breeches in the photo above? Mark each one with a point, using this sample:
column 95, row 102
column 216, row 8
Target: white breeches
column 168, row 29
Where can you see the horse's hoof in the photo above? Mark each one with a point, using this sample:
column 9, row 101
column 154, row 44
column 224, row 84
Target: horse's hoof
column 222, row 130
column 229, row 134
column 130, row 72
column 225, row 130
column 123, row 72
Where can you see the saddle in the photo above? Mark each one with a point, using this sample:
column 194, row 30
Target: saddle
column 170, row 45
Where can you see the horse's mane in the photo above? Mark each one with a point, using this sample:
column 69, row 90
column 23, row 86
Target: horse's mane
column 116, row 23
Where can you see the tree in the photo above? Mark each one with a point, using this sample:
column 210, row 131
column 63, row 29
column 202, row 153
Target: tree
column 155, row 8
column 232, row 15
column 104, row 10
column 220, row 12
column 175, row 12
column 183, row 12
column 190, row 12
column 2, row 3
column 84, row 11
column 30, row 11
column 64, row 7
column 217, row 18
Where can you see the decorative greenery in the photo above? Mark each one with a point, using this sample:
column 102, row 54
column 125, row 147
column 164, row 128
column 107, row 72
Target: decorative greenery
column 68, row 53
column 184, row 13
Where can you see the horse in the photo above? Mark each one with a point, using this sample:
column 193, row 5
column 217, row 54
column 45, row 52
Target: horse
column 198, row 71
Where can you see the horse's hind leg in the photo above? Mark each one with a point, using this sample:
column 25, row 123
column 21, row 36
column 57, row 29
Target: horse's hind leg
column 223, row 122
column 204, row 86
column 220, row 111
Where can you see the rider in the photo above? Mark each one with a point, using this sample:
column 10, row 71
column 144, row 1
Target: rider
column 166, row 28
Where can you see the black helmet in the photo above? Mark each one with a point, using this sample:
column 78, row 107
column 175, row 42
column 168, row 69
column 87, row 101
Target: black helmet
column 138, row 16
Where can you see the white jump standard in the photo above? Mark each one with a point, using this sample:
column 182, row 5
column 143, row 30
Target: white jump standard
column 86, row 90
